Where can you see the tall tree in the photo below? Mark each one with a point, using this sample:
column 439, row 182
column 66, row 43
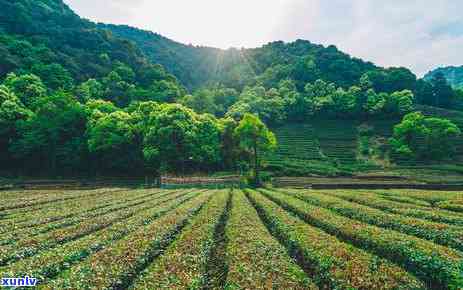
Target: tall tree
column 229, row 145
column 170, row 137
column 256, row 138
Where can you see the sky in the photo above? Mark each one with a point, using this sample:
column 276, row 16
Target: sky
column 418, row 34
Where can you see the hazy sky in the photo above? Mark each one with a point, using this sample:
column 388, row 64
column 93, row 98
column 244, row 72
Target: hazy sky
column 418, row 34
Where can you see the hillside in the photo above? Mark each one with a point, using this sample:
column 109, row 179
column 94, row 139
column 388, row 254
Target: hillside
column 453, row 74
column 193, row 66
column 324, row 147
column 301, row 61
column 335, row 148
column 38, row 33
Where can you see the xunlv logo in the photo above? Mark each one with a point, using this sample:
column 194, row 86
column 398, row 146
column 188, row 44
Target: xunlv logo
column 16, row 282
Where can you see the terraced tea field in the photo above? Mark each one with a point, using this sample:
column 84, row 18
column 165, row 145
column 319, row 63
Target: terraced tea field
column 324, row 147
column 233, row 239
column 332, row 148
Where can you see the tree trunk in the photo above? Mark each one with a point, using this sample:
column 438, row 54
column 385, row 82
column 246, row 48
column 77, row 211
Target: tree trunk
column 256, row 164
column 53, row 159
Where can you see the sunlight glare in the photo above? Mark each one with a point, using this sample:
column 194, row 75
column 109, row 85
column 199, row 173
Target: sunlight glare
column 219, row 23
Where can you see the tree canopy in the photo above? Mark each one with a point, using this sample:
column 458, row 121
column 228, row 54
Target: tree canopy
column 424, row 138
column 256, row 139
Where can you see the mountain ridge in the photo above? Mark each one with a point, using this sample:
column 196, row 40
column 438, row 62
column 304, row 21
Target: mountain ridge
column 453, row 74
column 81, row 46
column 255, row 60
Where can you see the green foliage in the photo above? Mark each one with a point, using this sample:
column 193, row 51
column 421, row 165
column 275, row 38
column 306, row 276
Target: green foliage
column 214, row 100
column 459, row 99
column 178, row 138
column 301, row 61
column 392, row 79
column 424, row 138
column 229, row 145
column 90, row 89
column 152, row 137
column 39, row 35
column 191, row 65
column 99, row 107
column 111, row 131
column 11, row 111
column 253, row 252
column 255, row 138
column 52, row 136
column 179, row 239
column 439, row 267
column 453, row 75
column 267, row 104
column 207, row 145
column 436, row 91
column 28, row 87
column 319, row 95
column 171, row 134
column 47, row 39
column 111, row 137
column 166, row 91
column 254, row 134
column 141, row 113
column 325, row 99
column 224, row 98
column 295, row 103
column 201, row 102
column 54, row 76
column 56, row 131
column 399, row 103
column 116, row 89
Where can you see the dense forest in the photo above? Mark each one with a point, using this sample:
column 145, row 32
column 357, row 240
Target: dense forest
column 453, row 74
column 82, row 98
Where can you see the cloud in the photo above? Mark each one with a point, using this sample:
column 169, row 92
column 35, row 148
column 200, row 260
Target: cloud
column 109, row 11
column 418, row 34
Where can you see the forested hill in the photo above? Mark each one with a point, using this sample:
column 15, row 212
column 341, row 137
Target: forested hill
column 37, row 33
column 47, row 39
column 193, row 66
column 453, row 74
column 300, row 61
column 46, row 36
column 196, row 66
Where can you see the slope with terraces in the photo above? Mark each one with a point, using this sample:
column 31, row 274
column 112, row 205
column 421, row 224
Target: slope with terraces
column 331, row 148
